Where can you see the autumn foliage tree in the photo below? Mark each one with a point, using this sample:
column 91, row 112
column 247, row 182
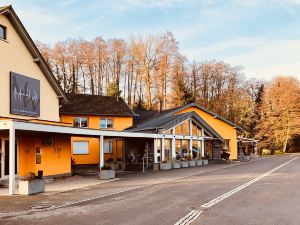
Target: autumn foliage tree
column 149, row 72
column 280, row 113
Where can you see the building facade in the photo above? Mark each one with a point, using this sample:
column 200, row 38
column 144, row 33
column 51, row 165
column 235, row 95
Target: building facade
column 43, row 129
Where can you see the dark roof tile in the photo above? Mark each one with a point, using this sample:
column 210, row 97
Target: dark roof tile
column 95, row 105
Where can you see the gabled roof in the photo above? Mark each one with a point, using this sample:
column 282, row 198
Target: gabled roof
column 95, row 105
column 180, row 108
column 29, row 43
column 209, row 112
column 166, row 121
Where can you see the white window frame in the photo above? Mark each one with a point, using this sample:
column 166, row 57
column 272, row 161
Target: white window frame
column 80, row 121
column 80, row 153
column 106, row 119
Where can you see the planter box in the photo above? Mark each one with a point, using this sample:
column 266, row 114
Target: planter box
column 184, row 164
column 198, row 162
column 107, row 174
column 31, row 187
column 192, row 163
column 204, row 161
column 165, row 166
column 116, row 166
column 176, row 165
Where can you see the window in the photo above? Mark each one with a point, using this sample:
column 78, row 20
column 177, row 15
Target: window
column 106, row 123
column 80, row 147
column 2, row 32
column 80, row 122
column 183, row 129
column 107, row 147
column 48, row 141
column 226, row 145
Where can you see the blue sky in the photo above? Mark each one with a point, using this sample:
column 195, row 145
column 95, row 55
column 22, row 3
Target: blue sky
column 262, row 36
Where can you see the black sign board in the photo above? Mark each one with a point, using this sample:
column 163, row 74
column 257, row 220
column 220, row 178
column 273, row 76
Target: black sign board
column 24, row 95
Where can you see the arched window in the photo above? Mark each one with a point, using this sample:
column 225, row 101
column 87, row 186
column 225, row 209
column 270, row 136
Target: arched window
column 2, row 32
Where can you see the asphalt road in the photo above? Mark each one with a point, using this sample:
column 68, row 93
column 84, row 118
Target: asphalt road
column 274, row 199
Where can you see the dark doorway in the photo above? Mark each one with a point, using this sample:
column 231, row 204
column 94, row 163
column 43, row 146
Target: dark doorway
column 136, row 150
column 6, row 159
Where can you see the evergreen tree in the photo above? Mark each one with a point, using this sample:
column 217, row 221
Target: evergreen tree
column 113, row 89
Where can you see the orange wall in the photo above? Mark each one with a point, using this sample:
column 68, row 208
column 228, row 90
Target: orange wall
column 55, row 159
column 93, row 156
column 120, row 123
column 224, row 129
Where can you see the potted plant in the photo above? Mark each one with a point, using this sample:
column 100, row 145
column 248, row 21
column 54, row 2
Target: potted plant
column 175, row 164
column 191, row 162
column 204, row 160
column 184, row 163
column 165, row 165
column 30, row 184
column 106, row 172
column 198, row 161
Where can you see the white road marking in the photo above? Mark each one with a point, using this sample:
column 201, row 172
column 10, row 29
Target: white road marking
column 194, row 214
column 189, row 218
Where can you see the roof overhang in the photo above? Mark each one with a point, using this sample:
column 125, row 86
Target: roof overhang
column 48, row 128
column 180, row 119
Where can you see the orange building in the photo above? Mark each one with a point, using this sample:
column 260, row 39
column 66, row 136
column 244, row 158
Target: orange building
column 96, row 112
column 42, row 128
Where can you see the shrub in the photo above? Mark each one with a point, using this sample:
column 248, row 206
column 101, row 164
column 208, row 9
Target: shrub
column 106, row 167
column 29, row 177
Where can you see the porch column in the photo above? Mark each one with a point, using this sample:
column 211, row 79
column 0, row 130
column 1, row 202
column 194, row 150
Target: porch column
column 191, row 147
column 12, row 156
column 101, row 151
column 255, row 148
column 173, row 151
column 202, row 148
column 162, row 154
column 155, row 150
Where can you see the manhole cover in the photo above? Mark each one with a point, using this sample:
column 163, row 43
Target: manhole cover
column 39, row 207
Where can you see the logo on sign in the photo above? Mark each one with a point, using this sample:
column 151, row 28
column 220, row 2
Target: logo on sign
column 25, row 95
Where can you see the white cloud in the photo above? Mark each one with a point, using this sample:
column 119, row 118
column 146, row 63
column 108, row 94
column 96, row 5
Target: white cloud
column 263, row 58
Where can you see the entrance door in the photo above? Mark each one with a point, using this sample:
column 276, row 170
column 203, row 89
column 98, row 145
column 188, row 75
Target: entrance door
column 5, row 153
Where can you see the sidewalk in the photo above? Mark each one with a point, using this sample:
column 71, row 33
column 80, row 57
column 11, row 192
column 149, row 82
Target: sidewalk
column 53, row 199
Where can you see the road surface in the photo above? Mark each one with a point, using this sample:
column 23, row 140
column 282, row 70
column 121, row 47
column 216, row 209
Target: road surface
column 262, row 192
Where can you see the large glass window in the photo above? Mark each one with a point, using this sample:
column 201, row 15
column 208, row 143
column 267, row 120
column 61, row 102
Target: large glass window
column 183, row 129
column 106, row 123
column 80, row 122
column 167, row 149
column 196, row 130
column 80, row 147
column 181, row 148
column 225, row 146
column 2, row 32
